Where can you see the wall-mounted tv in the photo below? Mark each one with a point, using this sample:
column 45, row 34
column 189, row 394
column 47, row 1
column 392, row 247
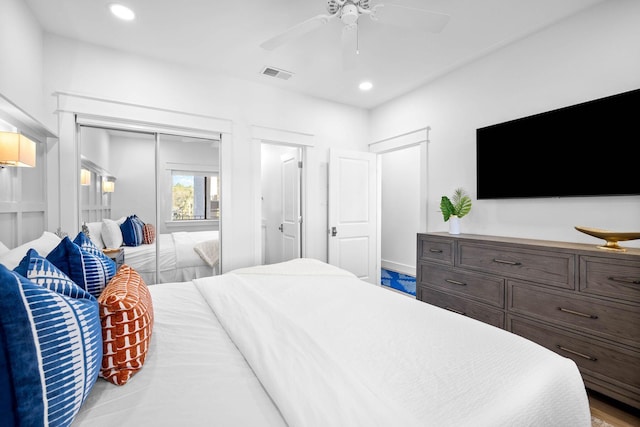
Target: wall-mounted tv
column 588, row 149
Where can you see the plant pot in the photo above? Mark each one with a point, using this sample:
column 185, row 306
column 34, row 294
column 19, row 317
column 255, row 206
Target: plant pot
column 454, row 225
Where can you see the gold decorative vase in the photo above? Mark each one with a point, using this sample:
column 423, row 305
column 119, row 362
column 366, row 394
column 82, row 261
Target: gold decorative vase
column 611, row 237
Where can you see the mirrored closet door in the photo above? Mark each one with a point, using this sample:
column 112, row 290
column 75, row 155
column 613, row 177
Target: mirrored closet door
column 151, row 201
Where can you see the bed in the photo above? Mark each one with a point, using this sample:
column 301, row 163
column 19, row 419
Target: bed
column 304, row 343
column 184, row 255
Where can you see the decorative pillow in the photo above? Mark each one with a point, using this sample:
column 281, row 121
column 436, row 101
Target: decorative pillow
column 50, row 349
column 91, row 271
column 111, row 234
column 126, row 313
column 41, row 271
column 132, row 233
column 148, row 234
column 43, row 244
column 95, row 233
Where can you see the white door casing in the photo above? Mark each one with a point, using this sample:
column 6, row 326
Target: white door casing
column 353, row 209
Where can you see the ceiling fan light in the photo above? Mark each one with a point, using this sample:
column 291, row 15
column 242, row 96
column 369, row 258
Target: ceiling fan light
column 349, row 14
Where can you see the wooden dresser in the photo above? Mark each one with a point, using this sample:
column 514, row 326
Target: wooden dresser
column 575, row 299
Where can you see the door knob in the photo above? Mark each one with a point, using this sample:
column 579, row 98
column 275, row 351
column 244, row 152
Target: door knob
column 281, row 228
column 334, row 231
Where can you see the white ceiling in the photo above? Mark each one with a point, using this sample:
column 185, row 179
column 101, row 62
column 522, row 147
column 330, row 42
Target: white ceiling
column 225, row 37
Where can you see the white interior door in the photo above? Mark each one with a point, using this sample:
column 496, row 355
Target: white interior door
column 281, row 202
column 353, row 208
column 290, row 225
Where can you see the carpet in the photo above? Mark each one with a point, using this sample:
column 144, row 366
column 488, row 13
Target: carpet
column 398, row 281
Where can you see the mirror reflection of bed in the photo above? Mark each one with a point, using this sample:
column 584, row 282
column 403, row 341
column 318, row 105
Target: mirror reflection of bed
column 170, row 183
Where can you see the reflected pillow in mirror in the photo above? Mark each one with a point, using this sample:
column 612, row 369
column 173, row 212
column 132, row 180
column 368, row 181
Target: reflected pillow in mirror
column 111, row 234
column 95, row 233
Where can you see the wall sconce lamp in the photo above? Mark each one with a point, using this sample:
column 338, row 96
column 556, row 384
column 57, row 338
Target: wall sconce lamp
column 85, row 177
column 17, row 150
column 108, row 186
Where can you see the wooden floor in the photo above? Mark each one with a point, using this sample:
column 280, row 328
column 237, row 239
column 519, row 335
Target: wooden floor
column 613, row 412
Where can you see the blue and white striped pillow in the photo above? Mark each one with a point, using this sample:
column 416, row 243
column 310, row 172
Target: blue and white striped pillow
column 50, row 347
column 132, row 231
column 88, row 269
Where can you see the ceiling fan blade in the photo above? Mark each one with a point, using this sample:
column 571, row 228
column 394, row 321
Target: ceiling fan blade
column 296, row 31
column 349, row 46
column 411, row 17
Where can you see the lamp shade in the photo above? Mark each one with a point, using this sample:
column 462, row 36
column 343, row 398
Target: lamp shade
column 17, row 150
column 108, row 186
column 85, row 177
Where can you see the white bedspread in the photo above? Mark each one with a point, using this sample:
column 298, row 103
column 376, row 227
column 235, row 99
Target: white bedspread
column 333, row 350
column 178, row 259
column 303, row 343
column 193, row 375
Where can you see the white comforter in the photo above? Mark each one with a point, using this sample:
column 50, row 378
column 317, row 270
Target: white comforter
column 304, row 343
column 332, row 350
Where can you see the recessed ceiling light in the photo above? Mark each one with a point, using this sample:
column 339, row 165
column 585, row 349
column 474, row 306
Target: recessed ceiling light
column 122, row 12
column 365, row 85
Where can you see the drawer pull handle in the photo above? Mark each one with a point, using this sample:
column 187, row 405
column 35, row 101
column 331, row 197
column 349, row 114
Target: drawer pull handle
column 435, row 251
column 455, row 282
column 577, row 313
column 504, row 261
column 455, row 311
column 625, row 280
column 577, row 353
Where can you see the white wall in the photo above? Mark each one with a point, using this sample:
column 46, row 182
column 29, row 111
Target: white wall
column 588, row 56
column 133, row 163
column 82, row 68
column 400, row 209
column 21, row 57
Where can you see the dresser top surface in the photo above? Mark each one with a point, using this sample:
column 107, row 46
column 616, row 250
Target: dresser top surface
column 587, row 249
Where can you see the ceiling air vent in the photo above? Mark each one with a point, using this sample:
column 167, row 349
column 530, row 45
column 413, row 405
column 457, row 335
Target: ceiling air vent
column 274, row 72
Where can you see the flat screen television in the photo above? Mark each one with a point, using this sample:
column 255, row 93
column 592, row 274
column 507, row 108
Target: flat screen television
column 588, row 149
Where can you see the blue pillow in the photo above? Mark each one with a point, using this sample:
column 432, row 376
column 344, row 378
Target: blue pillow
column 50, row 350
column 88, row 270
column 132, row 231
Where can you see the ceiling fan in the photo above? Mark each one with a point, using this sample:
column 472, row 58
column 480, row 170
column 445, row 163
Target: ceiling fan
column 349, row 12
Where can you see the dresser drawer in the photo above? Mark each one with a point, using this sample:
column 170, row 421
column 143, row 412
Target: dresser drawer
column 461, row 306
column 608, row 277
column 487, row 289
column 615, row 321
column 438, row 249
column 552, row 268
column 596, row 359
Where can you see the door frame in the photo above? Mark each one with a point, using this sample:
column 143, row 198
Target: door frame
column 267, row 135
column 405, row 140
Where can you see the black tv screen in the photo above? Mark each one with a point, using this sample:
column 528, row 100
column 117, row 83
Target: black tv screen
column 588, row 149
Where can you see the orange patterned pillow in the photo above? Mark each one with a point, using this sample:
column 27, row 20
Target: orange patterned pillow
column 148, row 234
column 126, row 314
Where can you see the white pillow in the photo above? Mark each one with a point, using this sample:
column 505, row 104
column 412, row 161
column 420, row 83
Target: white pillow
column 95, row 233
column 43, row 245
column 111, row 234
column 3, row 248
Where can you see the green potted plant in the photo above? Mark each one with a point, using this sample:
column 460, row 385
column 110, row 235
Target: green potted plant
column 455, row 208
